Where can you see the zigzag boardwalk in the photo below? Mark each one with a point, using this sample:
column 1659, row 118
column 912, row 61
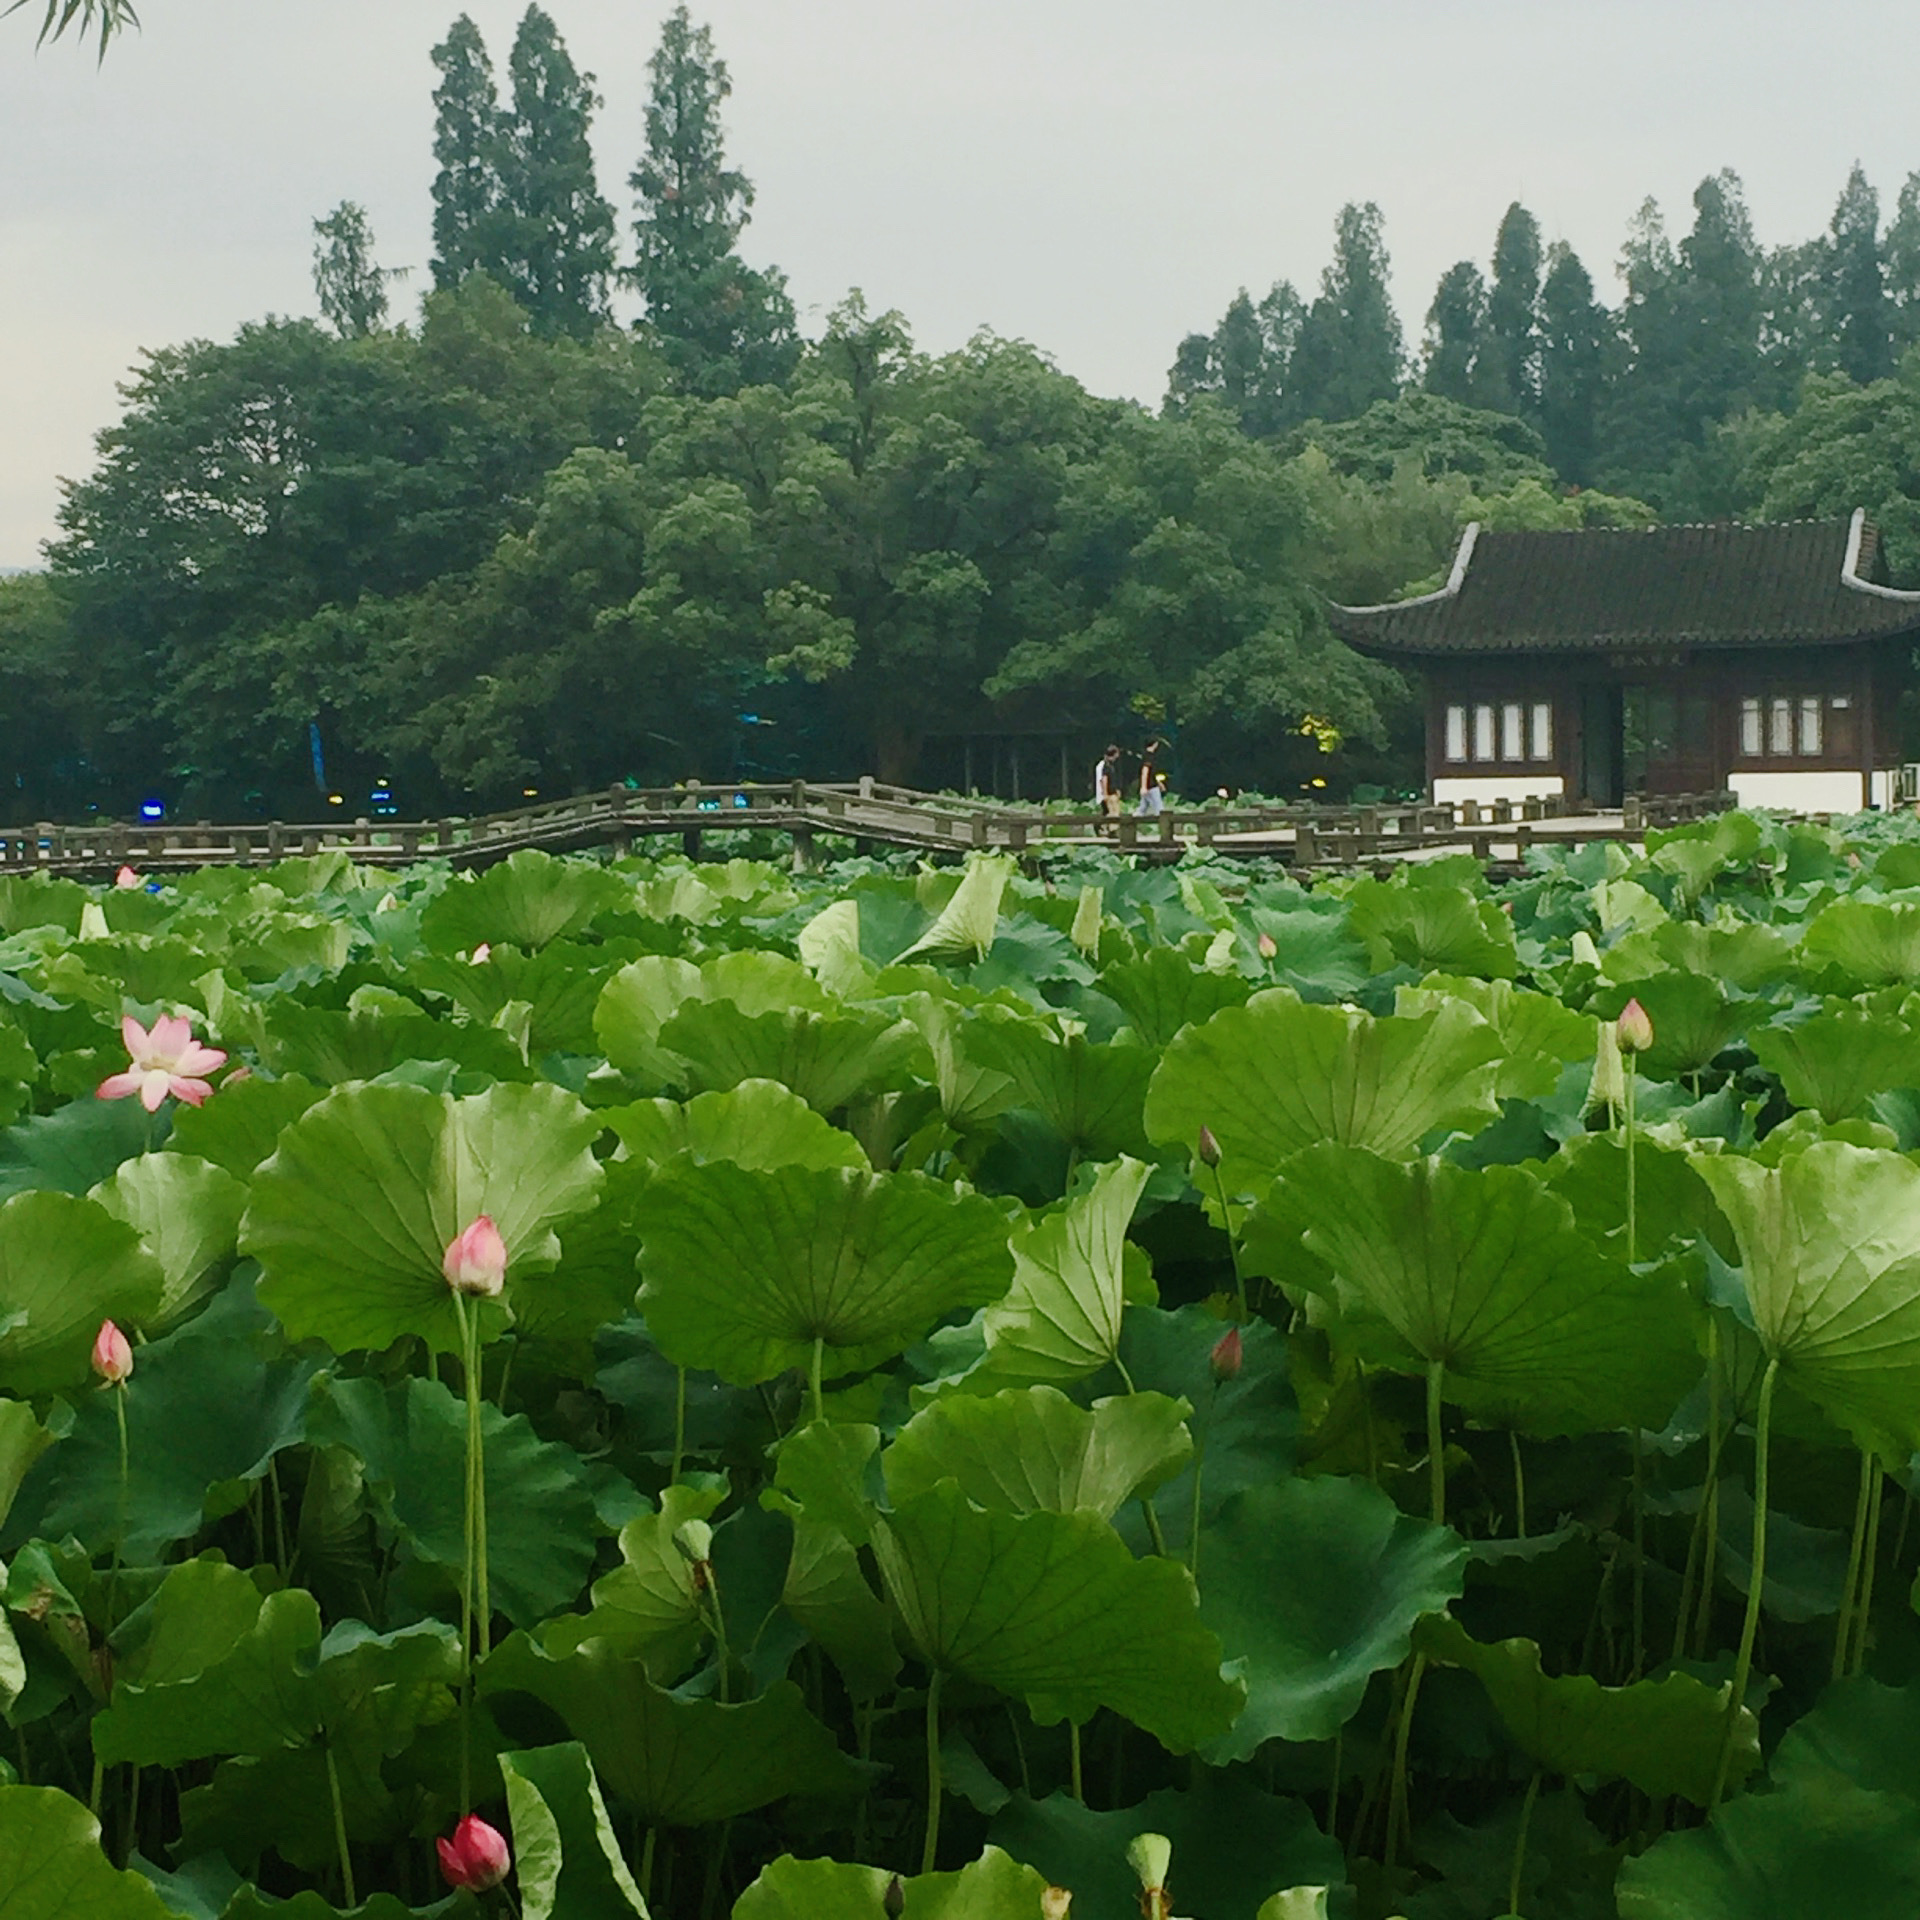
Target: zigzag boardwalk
column 864, row 812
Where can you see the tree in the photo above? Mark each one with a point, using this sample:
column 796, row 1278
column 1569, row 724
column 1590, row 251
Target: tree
column 1902, row 256
column 1456, row 342
column 1350, row 352
column 1573, row 332
column 350, row 285
column 1856, row 285
column 1513, row 346
column 1494, row 450
column 1246, row 363
column 468, row 193
column 556, row 232
column 110, row 16
column 721, row 324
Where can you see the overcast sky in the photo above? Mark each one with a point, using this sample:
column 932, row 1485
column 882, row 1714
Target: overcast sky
column 1096, row 176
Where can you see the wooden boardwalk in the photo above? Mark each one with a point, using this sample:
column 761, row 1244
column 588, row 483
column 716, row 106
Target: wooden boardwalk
column 866, row 813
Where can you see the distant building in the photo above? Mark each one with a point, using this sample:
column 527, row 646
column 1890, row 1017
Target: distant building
column 1599, row 663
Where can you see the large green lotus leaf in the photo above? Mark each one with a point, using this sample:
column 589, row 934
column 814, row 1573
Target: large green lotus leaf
column 1316, row 952
column 1277, row 1075
column 75, row 1148
column 377, row 1036
column 1538, row 1035
column 635, row 1004
column 1693, row 1019
column 965, row 925
column 1837, row 1061
column 1248, row 1426
column 1819, row 1850
column 208, row 1408
column 1665, row 1735
column 52, row 1867
column 1091, row 1096
column 542, row 1528
column 827, row 1594
column 825, row 1469
column 1484, row 1271
column 758, row 1124
column 1051, row 1607
column 680, row 1762
column 1437, row 929
column 994, row 1887
column 1672, row 1204
column 1874, row 943
column 22, row 1441
column 258, row 1696
column 187, row 1214
column 744, row 1271
column 567, row 1863
column 527, row 900
column 647, row 1605
column 970, row 1093
column 65, row 1265
column 560, row 987
column 244, row 1125
column 828, row 1059
column 251, row 1904
column 1742, row 956
column 1830, row 1248
column 1860, row 1730
column 1232, row 1847
column 1061, row 1318
column 351, row 1217
column 1163, row 991
column 1034, row 1451
column 829, row 949
column 1314, row 1586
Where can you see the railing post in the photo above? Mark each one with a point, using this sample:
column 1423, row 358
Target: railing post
column 1306, row 845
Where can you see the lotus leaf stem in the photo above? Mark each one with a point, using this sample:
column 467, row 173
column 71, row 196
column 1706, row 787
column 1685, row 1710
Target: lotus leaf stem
column 1402, row 1736
column 1843, row 1625
column 1073, row 1761
column 1519, row 1485
column 1863, row 1614
column 1436, row 1454
column 1710, row 1551
column 646, row 1863
column 1757, row 1579
column 819, row 1355
column 1519, row 1868
column 340, row 1828
column 930, row 1850
column 679, row 1425
column 1639, row 1556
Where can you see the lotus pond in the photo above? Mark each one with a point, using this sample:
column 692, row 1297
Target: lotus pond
column 937, row 1392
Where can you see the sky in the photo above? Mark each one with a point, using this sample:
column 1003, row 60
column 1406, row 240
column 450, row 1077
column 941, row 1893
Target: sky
column 1095, row 176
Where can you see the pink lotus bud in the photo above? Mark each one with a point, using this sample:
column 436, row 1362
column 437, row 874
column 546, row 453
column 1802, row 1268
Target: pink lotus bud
column 1227, row 1356
column 1209, row 1148
column 112, row 1357
column 476, row 1261
column 476, row 1858
column 126, row 879
column 1268, row 946
column 480, row 955
column 1634, row 1028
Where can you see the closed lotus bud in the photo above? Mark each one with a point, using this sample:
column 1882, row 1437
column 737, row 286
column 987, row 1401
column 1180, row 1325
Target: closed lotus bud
column 1227, row 1356
column 893, row 1903
column 476, row 1261
column 112, row 1357
column 389, row 902
column 1056, row 1904
column 694, row 1538
column 1209, row 1148
column 481, row 954
column 1634, row 1028
column 476, row 1858
column 1150, row 1855
column 1268, row 946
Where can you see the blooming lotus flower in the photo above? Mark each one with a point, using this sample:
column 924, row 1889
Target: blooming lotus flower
column 477, row 1856
column 476, row 1260
column 112, row 1357
column 1635, row 1028
column 169, row 1060
column 1227, row 1356
column 126, row 880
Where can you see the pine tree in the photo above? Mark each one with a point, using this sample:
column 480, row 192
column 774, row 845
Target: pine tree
column 556, row 232
column 1903, row 266
column 1245, row 362
column 1857, row 286
column 721, row 324
column 1350, row 352
column 352, row 289
column 1513, row 373
column 1456, row 339
column 467, row 135
column 1573, row 332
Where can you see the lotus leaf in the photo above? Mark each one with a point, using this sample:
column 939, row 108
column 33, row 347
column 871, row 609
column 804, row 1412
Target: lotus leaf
column 65, row 1265
column 52, row 1866
column 1089, row 1095
column 994, row 1887
column 1837, row 1061
column 758, row 1124
column 187, row 1214
column 567, row 1863
column 527, row 900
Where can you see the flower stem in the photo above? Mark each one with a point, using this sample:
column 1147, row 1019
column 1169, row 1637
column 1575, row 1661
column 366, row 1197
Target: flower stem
column 1519, row 1485
column 1397, row 1805
column 340, row 1828
column 929, row 1852
column 1233, row 1244
column 1199, row 1467
column 120, row 1525
column 1843, row 1626
column 1519, row 1869
column 1750, row 1626
column 1633, row 1220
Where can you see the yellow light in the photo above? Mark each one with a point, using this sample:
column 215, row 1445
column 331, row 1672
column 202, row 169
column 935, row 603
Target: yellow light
column 335, row 800
column 529, row 793
column 1316, row 783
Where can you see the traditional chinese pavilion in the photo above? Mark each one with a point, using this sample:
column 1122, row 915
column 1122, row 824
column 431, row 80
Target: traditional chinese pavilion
column 1599, row 663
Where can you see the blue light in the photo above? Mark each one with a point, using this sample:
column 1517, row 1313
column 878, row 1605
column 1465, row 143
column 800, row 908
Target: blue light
column 153, row 809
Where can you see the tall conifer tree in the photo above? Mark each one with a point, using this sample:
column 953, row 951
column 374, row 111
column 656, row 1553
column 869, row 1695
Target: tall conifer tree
column 1573, row 331
column 350, row 285
column 557, row 232
column 1456, row 340
column 1512, row 379
column 1351, row 351
column 721, row 323
column 1857, row 284
column 1903, row 266
column 467, row 142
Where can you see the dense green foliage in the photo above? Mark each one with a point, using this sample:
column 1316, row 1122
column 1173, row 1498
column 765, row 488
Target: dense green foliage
column 864, row 1473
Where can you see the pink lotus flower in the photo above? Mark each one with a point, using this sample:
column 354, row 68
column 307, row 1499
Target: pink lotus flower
column 1268, row 946
column 126, row 879
column 112, row 1357
column 477, row 1856
column 169, row 1060
column 476, row 1261
column 1635, row 1028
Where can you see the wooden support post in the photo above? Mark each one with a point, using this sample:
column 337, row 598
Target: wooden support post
column 1306, row 847
column 690, row 843
column 803, row 849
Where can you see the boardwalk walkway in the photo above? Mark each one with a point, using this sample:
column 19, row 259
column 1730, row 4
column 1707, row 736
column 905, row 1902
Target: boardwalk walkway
column 867, row 813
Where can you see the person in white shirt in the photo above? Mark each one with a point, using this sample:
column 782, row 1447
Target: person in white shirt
column 1106, row 783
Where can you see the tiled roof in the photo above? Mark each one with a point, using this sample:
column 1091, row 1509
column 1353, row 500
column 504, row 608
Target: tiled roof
column 1802, row 582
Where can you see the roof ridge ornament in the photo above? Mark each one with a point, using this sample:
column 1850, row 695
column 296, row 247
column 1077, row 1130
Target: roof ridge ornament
column 1850, row 566
column 1462, row 555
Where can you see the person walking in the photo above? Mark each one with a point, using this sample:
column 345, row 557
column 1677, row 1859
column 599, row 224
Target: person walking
column 1153, row 783
column 1106, row 784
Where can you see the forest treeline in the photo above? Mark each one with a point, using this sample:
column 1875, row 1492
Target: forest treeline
column 513, row 543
